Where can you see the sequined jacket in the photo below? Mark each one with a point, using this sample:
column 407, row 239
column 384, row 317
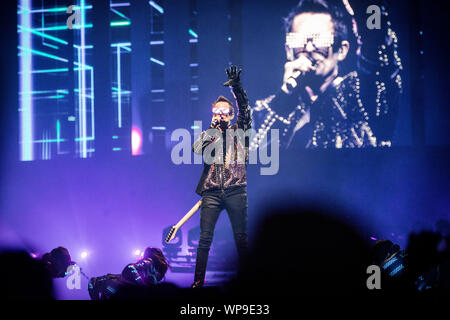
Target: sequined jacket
column 359, row 109
column 229, row 171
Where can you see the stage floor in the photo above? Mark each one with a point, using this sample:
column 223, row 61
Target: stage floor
column 184, row 280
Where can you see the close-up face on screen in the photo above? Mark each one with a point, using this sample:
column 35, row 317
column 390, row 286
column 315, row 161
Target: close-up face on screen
column 319, row 126
column 344, row 83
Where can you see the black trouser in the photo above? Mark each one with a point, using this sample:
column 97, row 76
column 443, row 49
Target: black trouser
column 213, row 202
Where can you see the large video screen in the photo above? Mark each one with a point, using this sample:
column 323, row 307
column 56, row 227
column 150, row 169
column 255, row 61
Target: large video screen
column 321, row 74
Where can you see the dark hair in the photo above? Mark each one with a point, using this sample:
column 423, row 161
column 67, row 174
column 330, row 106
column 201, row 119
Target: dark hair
column 159, row 260
column 57, row 261
column 223, row 99
column 342, row 20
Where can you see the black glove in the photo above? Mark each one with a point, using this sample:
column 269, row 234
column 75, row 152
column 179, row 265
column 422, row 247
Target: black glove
column 233, row 76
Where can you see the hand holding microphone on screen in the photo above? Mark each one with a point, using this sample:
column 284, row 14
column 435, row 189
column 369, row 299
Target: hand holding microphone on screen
column 294, row 70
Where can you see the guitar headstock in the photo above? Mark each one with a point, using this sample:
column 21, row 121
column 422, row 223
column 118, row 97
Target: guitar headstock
column 171, row 234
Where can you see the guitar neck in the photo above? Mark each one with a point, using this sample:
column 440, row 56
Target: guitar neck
column 189, row 214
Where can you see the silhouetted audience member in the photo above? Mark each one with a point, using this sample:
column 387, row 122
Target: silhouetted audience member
column 57, row 262
column 305, row 251
column 427, row 264
column 443, row 227
column 24, row 278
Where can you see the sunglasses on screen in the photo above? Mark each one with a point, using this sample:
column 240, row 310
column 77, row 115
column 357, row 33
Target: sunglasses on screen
column 319, row 40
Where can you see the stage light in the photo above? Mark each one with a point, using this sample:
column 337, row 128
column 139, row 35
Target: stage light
column 26, row 85
column 157, row 61
column 136, row 141
column 43, row 54
column 119, row 88
column 120, row 23
column 156, row 6
column 49, row 10
column 43, row 35
column 137, row 252
column 193, row 33
column 82, row 83
column 84, row 254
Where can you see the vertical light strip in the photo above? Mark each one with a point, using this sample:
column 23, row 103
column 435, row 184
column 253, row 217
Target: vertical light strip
column 49, row 147
column 26, row 85
column 92, row 104
column 44, row 138
column 119, row 88
column 79, row 99
column 83, row 132
column 58, row 135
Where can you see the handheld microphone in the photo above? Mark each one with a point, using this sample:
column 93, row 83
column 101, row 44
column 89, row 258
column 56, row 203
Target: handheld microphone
column 215, row 123
column 292, row 81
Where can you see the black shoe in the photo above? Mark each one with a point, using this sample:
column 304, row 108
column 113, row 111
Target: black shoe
column 197, row 284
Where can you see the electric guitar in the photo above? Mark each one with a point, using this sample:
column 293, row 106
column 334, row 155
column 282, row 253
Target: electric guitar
column 174, row 229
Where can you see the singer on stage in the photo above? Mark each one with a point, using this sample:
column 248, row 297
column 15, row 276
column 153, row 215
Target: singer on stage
column 223, row 184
